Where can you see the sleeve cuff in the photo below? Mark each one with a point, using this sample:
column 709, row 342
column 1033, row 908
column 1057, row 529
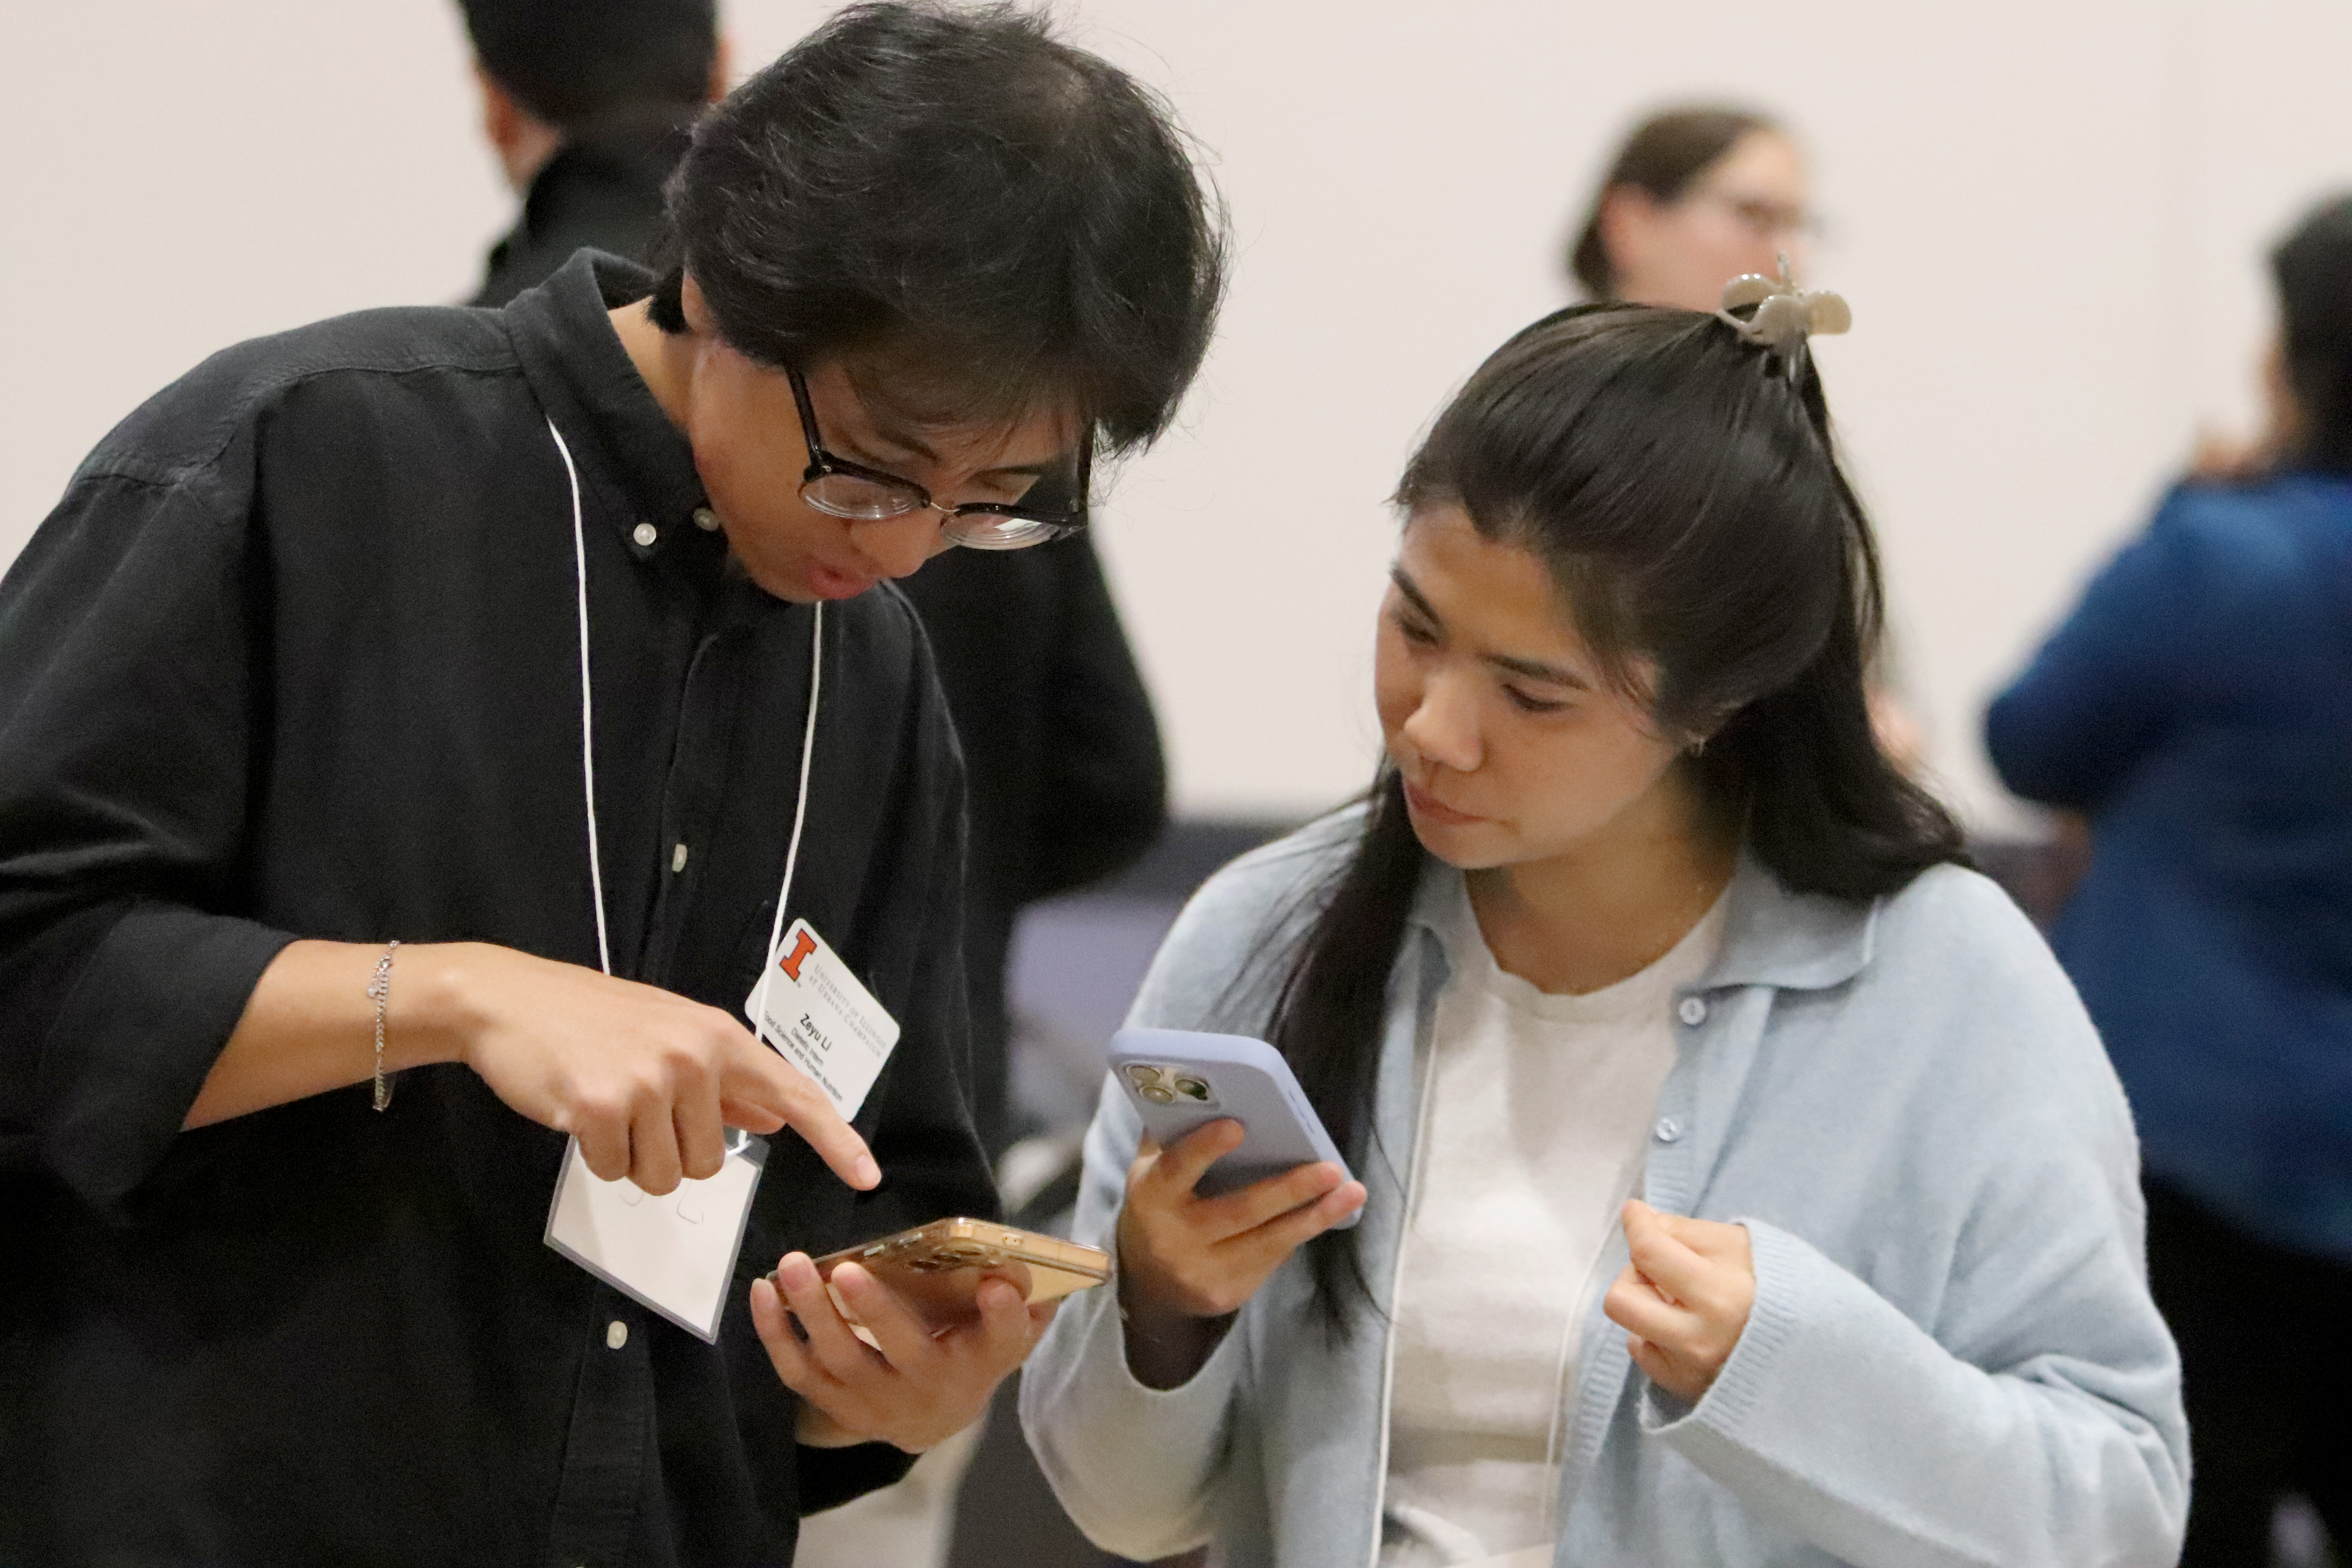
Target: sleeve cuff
column 131, row 1048
column 1132, row 1464
column 831, row 1476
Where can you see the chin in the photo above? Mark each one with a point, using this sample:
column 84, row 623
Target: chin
column 1466, row 846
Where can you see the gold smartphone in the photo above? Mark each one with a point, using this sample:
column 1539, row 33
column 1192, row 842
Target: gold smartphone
column 938, row 1267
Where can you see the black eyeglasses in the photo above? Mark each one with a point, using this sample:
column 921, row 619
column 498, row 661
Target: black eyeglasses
column 844, row 488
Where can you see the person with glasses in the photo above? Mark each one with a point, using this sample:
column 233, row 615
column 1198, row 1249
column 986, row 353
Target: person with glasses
column 1694, row 197
column 420, row 728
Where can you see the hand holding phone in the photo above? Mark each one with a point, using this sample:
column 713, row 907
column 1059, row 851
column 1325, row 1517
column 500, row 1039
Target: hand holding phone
column 1180, row 1080
column 1205, row 1224
column 938, row 1268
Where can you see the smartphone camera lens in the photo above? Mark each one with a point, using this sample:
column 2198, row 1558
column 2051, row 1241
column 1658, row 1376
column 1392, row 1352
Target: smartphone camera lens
column 1158, row 1093
column 1142, row 1077
column 1192, row 1089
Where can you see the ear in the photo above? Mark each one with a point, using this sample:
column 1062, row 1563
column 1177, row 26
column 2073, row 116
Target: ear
column 722, row 66
column 694, row 306
column 1629, row 218
column 522, row 141
column 502, row 115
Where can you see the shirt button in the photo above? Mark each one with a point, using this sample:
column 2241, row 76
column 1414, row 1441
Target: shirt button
column 706, row 520
column 644, row 535
column 616, row 1334
column 677, row 860
column 1692, row 1012
column 1667, row 1129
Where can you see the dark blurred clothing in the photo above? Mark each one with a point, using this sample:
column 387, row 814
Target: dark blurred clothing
column 600, row 191
column 2198, row 707
column 1062, row 754
column 2266, row 1374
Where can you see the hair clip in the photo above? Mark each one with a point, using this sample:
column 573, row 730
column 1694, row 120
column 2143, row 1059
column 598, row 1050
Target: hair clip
column 1785, row 315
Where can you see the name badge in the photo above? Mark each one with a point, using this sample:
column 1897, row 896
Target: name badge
column 674, row 1253
column 815, row 1011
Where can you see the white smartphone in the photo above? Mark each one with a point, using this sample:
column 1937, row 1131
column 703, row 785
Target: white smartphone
column 1178, row 1079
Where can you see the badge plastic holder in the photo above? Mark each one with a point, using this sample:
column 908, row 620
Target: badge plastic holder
column 675, row 1255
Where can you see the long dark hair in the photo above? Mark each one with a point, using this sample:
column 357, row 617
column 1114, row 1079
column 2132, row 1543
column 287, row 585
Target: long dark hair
column 1681, row 488
column 1663, row 156
column 2313, row 267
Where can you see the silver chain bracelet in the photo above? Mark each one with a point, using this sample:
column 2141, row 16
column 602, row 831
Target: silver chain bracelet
column 380, row 991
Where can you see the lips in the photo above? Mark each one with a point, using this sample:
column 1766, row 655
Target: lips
column 1430, row 808
column 827, row 583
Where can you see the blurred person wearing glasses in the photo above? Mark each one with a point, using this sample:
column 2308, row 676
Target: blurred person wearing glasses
column 297, row 681
column 2197, row 707
column 1695, row 197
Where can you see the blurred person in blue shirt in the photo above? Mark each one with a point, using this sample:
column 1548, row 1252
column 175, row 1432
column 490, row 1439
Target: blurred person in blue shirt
column 2197, row 709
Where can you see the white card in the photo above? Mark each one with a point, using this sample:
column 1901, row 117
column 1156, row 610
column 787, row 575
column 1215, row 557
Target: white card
column 825, row 1023
column 675, row 1254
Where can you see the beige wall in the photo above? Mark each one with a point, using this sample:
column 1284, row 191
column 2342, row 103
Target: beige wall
column 2048, row 218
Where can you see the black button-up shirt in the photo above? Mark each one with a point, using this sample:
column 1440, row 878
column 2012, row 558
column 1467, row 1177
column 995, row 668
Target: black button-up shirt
column 296, row 656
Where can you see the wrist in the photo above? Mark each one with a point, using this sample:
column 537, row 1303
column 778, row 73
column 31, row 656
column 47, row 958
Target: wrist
column 433, row 1015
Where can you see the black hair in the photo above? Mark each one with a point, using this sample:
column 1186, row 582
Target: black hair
column 1663, row 155
column 1000, row 217
column 1681, row 486
column 581, row 65
column 2314, row 269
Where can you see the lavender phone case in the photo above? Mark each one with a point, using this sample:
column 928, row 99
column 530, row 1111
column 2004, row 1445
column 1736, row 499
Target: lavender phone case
column 1243, row 1079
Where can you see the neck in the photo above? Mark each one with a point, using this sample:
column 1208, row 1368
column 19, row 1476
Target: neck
column 664, row 360
column 1611, row 908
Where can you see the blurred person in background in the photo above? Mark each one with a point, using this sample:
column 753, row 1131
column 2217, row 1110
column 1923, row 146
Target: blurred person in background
column 587, row 103
column 2196, row 708
column 1636, row 908
column 302, row 663
column 1694, row 197
column 1697, row 197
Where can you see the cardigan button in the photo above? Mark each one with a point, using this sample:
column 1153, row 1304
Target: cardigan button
column 645, row 533
column 706, row 520
column 1667, row 1129
column 1692, row 1012
column 616, row 1334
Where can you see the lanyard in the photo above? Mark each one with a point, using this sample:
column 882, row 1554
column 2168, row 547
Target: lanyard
column 588, row 744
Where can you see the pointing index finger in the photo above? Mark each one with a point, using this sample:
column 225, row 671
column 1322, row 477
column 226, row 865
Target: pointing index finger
column 758, row 1075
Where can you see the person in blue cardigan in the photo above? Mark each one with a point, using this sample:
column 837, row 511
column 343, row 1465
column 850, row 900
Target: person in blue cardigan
column 2197, row 709
column 1740, row 1182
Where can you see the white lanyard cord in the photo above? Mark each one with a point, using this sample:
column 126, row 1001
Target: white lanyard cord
column 800, row 816
column 587, row 707
column 588, row 742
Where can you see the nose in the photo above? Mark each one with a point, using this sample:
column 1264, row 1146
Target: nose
column 899, row 545
column 1444, row 726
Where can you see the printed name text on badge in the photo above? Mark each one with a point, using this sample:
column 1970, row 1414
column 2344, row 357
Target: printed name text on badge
column 822, row 1019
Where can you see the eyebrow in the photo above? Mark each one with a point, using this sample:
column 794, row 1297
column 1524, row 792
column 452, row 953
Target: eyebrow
column 1534, row 669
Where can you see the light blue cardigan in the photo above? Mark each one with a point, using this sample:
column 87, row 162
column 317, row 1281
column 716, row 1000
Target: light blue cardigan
column 1952, row 1358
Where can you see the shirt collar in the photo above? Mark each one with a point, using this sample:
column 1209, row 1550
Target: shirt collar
column 1798, row 941
column 585, row 381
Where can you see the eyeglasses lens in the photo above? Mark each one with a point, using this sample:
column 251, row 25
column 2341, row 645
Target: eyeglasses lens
column 854, row 496
column 982, row 531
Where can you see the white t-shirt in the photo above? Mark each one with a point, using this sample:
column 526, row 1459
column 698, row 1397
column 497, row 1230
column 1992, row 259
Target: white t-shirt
column 1535, row 1123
